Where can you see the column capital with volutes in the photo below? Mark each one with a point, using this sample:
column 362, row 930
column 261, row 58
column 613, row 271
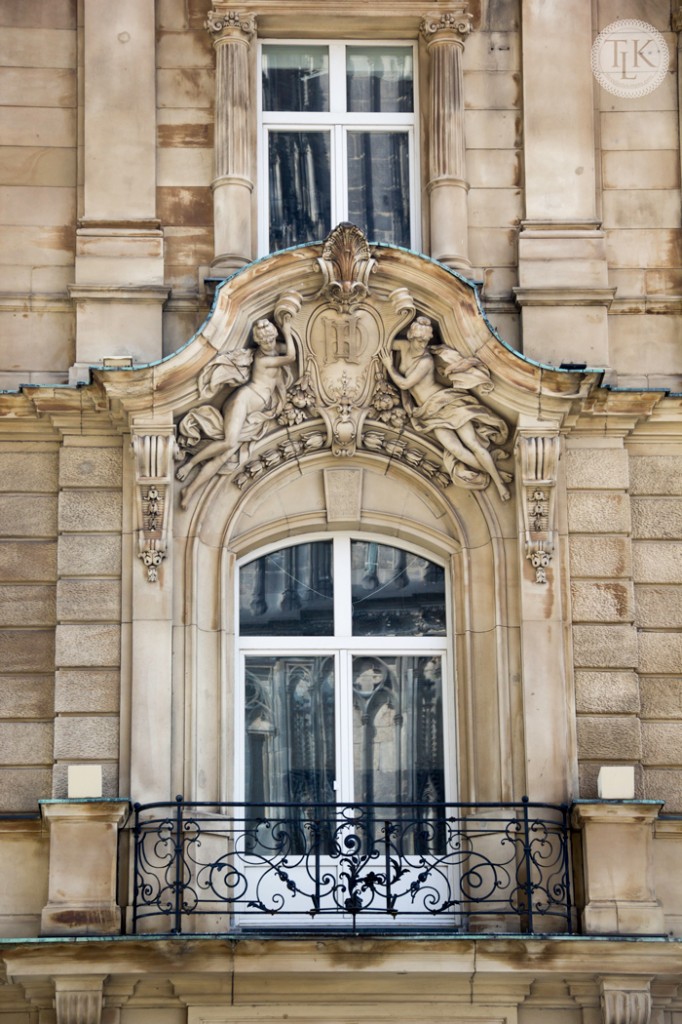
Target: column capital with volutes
column 225, row 24
column 453, row 25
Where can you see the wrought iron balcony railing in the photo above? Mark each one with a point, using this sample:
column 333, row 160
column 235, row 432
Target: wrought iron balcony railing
column 453, row 867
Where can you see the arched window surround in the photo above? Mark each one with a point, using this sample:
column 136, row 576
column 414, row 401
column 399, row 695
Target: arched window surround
column 460, row 530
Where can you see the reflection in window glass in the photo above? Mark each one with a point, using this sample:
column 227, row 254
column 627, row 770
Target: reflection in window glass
column 295, row 78
column 288, row 592
column 379, row 185
column 397, row 729
column 289, row 728
column 379, row 79
column 395, row 593
column 300, row 187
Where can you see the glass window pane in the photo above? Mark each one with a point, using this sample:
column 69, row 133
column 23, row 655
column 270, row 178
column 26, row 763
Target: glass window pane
column 300, row 187
column 395, row 593
column 295, row 78
column 379, row 79
column 289, row 728
column 288, row 592
column 379, row 185
column 398, row 729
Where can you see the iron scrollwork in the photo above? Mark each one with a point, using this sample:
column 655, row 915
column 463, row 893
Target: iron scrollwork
column 365, row 865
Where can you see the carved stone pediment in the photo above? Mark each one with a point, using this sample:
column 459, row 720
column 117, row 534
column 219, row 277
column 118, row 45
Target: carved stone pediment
column 344, row 368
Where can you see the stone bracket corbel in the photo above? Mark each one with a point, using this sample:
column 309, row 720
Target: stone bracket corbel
column 154, row 454
column 78, row 999
column 625, row 1000
column 538, row 457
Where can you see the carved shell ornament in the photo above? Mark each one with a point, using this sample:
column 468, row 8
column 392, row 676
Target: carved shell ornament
column 346, row 370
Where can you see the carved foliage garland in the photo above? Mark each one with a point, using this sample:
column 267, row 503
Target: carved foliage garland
column 153, row 473
column 538, row 456
column 344, row 369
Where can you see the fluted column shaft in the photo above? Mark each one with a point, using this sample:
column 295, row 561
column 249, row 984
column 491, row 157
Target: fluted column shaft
column 232, row 33
column 447, row 186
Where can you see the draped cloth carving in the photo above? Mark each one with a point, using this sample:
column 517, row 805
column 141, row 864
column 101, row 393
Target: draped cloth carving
column 340, row 376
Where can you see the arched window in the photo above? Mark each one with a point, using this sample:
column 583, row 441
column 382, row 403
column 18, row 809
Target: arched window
column 343, row 669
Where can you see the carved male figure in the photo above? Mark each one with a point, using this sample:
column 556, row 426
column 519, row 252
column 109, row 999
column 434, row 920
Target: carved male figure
column 245, row 411
column 458, row 421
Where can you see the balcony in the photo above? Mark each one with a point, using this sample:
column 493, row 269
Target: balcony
column 454, row 868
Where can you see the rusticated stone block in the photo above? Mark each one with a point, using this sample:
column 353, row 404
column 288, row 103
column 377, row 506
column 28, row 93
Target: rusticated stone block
column 83, row 599
column 664, row 784
column 25, row 743
column 657, row 561
column 89, row 555
column 27, row 650
column 24, row 696
column 32, row 471
column 28, row 560
column 96, row 511
column 661, row 696
column 607, row 601
column 657, row 518
column 109, row 779
column 598, row 512
column 607, row 738
column 597, row 469
column 662, row 743
column 606, row 692
column 88, row 644
column 600, row 557
column 86, row 690
column 28, row 515
column 90, row 467
column 27, row 606
column 86, row 739
column 605, row 646
column 22, row 788
column 660, row 653
column 656, row 474
column 658, row 607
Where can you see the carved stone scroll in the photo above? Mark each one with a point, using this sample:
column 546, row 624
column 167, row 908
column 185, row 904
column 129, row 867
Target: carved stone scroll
column 153, row 472
column 538, row 456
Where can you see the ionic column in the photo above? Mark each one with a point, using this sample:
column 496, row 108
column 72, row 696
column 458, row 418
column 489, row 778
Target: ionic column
column 232, row 33
column 447, row 186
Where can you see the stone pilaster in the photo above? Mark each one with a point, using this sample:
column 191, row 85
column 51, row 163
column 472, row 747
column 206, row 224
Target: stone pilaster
column 545, row 674
column 447, row 185
column 563, row 289
column 118, row 291
column 677, row 27
column 232, row 32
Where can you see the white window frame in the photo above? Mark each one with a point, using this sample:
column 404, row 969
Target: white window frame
column 343, row 646
column 338, row 122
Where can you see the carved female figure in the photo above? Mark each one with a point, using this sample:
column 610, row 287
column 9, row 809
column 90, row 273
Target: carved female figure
column 459, row 422
column 245, row 411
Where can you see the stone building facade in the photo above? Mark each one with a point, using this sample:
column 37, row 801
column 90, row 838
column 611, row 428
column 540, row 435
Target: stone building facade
column 387, row 521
